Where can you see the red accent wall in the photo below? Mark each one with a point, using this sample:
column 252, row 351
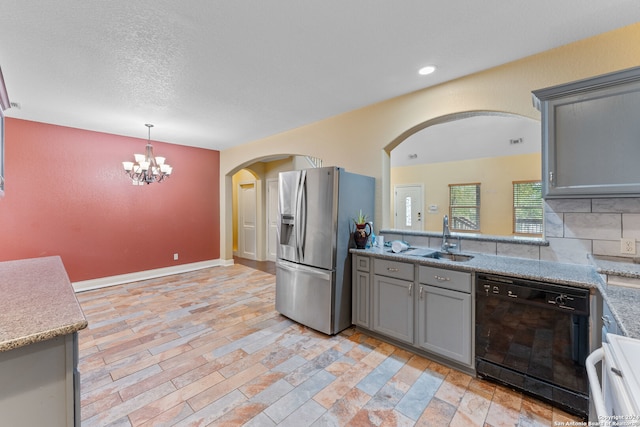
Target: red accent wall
column 66, row 194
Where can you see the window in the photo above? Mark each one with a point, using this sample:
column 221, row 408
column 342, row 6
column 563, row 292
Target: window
column 464, row 207
column 407, row 207
column 527, row 207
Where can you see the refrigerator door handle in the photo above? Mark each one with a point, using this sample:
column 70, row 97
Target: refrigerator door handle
column 297, row 215
column 303, row 241
column 286, row 265
column 301, row 209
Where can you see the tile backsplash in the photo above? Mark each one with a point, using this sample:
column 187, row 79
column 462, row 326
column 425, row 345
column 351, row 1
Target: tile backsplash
column 575, row 228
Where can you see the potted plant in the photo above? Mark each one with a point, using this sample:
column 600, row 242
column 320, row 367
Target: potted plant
column 360, row 218
column 361, row 234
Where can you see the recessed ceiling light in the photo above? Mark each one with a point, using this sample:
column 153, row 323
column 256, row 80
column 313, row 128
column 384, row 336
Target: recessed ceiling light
column 426, row 70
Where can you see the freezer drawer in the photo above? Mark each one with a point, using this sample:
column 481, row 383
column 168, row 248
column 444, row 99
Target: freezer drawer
column 306, row 295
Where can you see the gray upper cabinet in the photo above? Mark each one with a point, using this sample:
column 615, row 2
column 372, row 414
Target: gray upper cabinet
column 591, row 136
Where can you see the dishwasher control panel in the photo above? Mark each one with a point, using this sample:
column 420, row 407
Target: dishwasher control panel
column 562, row 297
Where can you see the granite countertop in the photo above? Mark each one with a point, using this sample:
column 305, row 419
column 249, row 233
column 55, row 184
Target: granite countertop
column 617, row 266
column 625, row 307
column 521, row 240
column 37, row 302
column 623, row 301
column 567, row 274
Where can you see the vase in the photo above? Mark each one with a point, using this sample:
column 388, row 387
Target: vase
column 361, row 235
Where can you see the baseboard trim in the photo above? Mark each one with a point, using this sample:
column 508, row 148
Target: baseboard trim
column 104, row 282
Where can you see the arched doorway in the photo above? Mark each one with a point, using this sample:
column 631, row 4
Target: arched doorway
column 257, row 180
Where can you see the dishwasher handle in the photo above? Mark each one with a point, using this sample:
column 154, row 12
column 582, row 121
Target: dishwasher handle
column 594, row 383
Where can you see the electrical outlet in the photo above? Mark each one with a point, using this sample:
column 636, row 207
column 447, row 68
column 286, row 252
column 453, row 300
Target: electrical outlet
column 628, row 246
column 175, row 257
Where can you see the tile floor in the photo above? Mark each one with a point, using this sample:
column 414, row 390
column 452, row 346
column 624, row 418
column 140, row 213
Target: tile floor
column 207, row 348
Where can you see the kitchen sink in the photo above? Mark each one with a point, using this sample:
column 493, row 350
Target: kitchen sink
column 430, row 253
column 450, row 256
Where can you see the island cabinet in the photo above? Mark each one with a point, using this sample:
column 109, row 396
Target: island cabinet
column 44, row 383
column 392, row 310
column 39, row 321
column 444, row 309
column 590, row 134
column 428, row 309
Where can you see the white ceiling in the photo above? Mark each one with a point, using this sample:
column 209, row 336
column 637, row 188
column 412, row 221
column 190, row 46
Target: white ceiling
column 216, row 74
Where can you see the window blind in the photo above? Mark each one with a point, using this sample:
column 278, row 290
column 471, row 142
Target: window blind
column 527, row 207
column 464, row 207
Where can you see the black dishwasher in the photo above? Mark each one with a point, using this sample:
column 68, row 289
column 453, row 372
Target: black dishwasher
column 534, row 337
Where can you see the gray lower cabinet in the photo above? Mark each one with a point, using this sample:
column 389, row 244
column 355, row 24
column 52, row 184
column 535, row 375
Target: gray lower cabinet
column 392, row 311
column 41, row 384
column 445, row 313
column 361, row 296
column 429, row 308
column 393, row 308
column 444, row 306
column 444, row 323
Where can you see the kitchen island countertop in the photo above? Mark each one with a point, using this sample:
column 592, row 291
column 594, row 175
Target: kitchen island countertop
column 37, row 302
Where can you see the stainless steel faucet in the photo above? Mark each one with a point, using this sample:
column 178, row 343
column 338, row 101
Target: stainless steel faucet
column 446, row 235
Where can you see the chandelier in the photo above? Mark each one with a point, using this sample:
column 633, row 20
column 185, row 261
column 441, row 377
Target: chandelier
column 147, row 168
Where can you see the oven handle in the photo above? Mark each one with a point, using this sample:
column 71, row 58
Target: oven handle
column 594, row 384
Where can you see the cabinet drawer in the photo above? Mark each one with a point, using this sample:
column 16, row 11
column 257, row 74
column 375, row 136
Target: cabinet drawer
column 362, row 263
column 395, row 269
column 448, row 279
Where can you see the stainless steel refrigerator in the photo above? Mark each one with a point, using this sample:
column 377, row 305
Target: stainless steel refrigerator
column 313, row 267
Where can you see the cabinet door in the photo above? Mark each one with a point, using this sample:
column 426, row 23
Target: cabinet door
column 361, row 295
column 444, row 323
column 393, row 307
column 589, row 136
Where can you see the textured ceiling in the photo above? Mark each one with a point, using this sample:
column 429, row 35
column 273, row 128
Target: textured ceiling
column 216, row 74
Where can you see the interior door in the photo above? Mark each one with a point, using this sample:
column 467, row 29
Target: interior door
column 272, row 219
column 247, row 220
column 408, row 207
